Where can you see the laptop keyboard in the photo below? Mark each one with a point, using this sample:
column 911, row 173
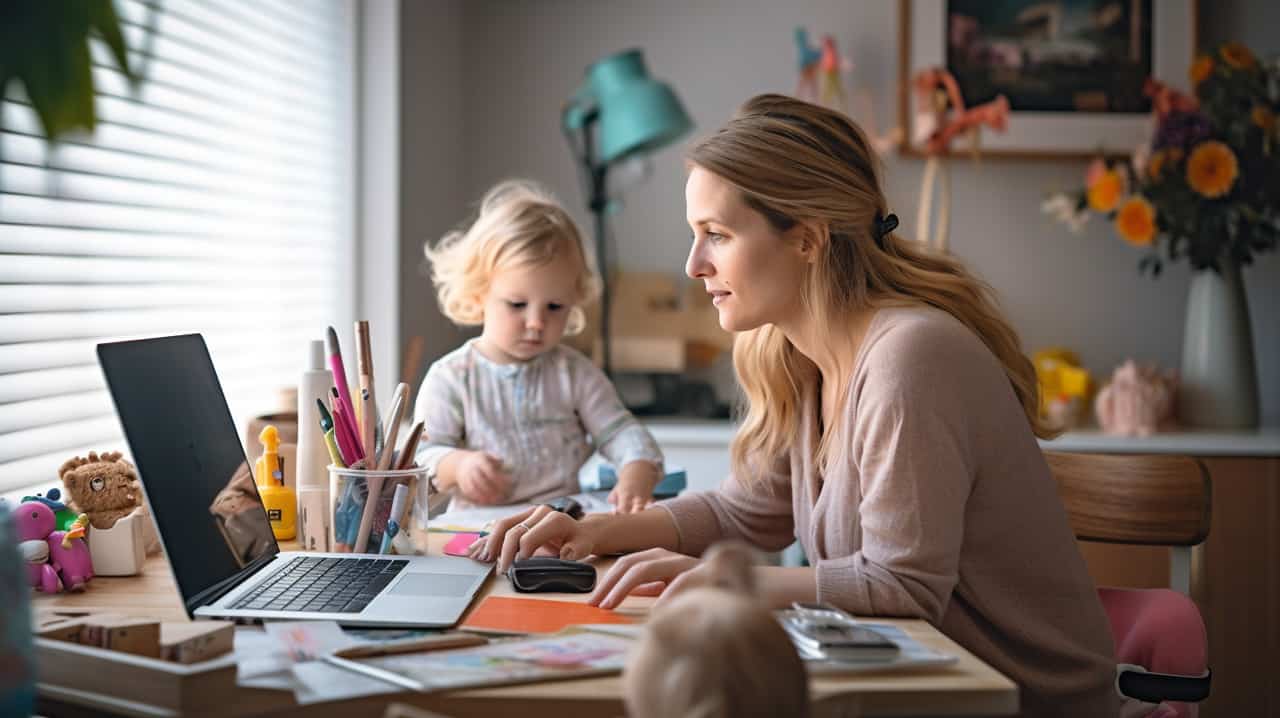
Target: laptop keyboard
column 325, row 585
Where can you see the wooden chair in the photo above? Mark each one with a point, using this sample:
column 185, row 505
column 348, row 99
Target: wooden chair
column 1152, row 500
column 1161, row 644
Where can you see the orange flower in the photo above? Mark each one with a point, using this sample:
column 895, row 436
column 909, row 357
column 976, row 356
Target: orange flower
column 1238, row 56
column 1263, row 117
column 1212, row 169
column 1136, row 221
column 1105, row 191
column 1201, row 69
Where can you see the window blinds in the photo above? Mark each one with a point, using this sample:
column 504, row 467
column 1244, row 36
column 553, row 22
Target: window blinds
column 216, row 197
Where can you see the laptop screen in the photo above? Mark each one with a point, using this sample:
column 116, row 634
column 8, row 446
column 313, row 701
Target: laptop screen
column 193, row 468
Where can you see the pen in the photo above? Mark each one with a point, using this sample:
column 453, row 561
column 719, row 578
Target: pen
column 393, row 521
column 375, row 482
column 340, row 375
column 368, row 405
column 394, row 679
column 326, row 426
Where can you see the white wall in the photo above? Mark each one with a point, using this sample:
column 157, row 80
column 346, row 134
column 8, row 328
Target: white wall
column 520, row 60
column 432, row 153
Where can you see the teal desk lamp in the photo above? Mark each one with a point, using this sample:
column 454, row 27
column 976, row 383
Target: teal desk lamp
column 619, row 112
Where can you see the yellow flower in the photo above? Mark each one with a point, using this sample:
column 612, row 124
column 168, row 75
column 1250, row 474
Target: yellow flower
column 1104, row 193
column 1201, row 69
column 1263, row 117
column 1212, row 169
column 1136, row 222
column 1237, row 56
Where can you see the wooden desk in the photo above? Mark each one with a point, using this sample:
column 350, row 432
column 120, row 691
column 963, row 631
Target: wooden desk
column 970, row 687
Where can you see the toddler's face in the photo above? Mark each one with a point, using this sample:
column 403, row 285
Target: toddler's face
column 526, row 309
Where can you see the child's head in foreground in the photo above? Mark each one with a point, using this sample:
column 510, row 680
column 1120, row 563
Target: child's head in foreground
column 716, row 652
column 519, row 270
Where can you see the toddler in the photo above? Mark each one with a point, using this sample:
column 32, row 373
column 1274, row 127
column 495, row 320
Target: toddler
column 716, row 651
column 512, row 415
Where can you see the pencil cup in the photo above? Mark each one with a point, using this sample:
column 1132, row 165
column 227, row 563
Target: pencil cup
column 349, row 496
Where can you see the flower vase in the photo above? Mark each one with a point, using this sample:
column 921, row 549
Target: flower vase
column 1219, row 382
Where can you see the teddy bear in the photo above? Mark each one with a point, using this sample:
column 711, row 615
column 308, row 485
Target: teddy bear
column 104, row 487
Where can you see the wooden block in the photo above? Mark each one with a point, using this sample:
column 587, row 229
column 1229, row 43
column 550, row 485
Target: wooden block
column 195, row 641
column 66, row 629
column 139, row 636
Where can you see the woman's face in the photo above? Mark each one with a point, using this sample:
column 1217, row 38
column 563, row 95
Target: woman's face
column 752, row 271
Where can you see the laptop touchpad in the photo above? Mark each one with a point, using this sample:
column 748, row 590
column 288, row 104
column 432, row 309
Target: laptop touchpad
column 450, row 585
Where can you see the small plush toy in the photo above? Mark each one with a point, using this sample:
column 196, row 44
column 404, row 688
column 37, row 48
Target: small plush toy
column 56, row 560
column 61, row 512
column 104, row 487
column 1138, row 401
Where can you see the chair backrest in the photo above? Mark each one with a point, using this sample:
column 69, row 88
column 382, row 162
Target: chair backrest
column 1147, row 499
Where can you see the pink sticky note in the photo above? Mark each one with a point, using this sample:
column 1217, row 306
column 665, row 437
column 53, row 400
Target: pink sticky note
column 459, row 544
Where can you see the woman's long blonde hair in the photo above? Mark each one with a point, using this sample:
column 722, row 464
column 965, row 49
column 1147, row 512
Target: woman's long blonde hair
column 794, row 161
column 519, row 224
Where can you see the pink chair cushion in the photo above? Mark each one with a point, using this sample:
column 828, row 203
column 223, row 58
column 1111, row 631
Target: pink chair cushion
column 1160, row 630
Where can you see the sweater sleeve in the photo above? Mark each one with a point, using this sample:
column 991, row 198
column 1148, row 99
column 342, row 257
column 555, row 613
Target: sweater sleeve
column 439, row 407
column 911, row 452
column 759, row 514
column 615, row 432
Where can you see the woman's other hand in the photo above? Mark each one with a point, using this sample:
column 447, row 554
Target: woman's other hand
column 646, row 573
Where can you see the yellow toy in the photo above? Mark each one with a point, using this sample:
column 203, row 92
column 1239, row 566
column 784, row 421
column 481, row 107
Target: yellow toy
column 279, row 500
column 1065, row 386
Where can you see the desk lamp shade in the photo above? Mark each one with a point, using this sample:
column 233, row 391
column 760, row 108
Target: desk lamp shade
column 636, row 113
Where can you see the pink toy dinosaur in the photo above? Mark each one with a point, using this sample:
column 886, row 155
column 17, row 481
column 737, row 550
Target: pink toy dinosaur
column 56, row 560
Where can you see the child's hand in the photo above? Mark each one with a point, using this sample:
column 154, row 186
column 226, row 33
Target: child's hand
column 634, row 491
column 482, row 478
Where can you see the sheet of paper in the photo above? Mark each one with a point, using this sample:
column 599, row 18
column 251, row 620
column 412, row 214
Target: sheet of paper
column 560, row 656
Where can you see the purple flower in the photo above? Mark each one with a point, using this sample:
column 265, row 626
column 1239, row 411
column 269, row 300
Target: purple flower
column 1181, row 129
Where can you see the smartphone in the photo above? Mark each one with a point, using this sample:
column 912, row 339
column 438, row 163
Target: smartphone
column 841, row 636
column 820, row 630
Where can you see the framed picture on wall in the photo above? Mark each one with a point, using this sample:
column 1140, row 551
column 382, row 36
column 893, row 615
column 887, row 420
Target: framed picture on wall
column 1072, row 70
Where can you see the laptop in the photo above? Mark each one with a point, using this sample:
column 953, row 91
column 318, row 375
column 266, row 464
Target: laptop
column 224, row 558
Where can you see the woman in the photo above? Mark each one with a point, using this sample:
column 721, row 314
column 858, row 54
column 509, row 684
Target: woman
column 890, row 424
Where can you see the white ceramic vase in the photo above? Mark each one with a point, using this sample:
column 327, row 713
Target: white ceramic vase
column 1219, row 382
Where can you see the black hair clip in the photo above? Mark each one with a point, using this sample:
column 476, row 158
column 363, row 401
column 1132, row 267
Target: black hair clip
column 885, row 225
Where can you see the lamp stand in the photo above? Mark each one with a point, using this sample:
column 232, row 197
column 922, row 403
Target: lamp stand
column 598, row 203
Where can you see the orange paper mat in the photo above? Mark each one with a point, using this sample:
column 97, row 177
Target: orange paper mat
column 506, row 614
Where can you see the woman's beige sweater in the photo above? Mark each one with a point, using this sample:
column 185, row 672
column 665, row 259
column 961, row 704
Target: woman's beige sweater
column 937, row 505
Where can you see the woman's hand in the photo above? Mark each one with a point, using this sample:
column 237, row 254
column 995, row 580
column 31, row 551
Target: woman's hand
column 646, row 573
column 636, row 483
column 539, row 530
column 481, row 477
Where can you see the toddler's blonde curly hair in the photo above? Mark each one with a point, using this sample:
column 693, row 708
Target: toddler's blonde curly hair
column 520, row 224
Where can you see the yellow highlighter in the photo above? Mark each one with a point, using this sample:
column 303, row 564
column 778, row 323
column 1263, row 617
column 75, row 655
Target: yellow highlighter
column 279, row 500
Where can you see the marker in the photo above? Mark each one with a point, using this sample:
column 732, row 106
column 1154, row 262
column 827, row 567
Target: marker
column 340, row 377
column 393, row 521
column 326, row 426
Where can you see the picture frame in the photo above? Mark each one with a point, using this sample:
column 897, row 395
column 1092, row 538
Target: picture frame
column 1166, row 41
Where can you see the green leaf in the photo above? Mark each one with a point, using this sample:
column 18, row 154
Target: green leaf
column 44, row 46
column 102, row 17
